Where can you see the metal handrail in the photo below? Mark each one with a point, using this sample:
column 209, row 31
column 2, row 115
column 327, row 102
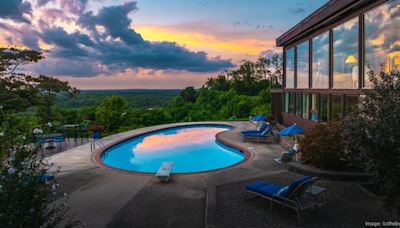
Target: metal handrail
column 93, row 145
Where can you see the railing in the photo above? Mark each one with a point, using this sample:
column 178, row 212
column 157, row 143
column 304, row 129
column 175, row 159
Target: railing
column 93, row 145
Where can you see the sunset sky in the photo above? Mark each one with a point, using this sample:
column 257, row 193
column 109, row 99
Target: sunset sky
column 121, row 44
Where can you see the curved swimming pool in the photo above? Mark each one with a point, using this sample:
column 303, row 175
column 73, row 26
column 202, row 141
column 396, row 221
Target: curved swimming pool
column 192, row 148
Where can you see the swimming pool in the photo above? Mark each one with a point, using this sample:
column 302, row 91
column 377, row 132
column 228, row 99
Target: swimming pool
column 192, row 148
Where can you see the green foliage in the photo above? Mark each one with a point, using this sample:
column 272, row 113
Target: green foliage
column 111, row 113
column 24, row 196
column 188, row 94
column 371, row 135
column 322, row 146
column 135, row 98
column 238, row 93
column 25, row 201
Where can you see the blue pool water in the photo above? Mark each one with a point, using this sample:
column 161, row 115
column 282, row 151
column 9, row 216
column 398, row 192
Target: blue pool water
column 191, row 148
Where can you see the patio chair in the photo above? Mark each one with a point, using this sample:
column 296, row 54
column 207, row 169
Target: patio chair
column 286, row 156
column 258, row 130
column 259, row 136
column 289, row 196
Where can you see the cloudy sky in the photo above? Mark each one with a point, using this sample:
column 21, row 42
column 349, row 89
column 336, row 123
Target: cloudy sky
column 113, row 44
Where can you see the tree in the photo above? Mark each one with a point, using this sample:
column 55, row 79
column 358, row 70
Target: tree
column 112, row 112
column 25, row 198
column 371, row 135
column 188, row 94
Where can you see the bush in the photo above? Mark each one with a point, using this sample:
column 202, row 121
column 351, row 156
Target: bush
column 25, row 199
column 373, row 137
column 322, row 146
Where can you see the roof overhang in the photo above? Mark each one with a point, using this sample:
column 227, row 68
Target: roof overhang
column 329, row 13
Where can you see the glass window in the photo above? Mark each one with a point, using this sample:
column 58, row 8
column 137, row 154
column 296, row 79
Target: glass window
column 302, row 65
column 351, row 103
column 291, row 102
column 305, row 106
column 382, row 39
column 337, row 107
column 314, row 107
column 286, row 102
column 345, row 55
column 320, row 63
column 298, row 104
column 324, row 108
column 290, row 68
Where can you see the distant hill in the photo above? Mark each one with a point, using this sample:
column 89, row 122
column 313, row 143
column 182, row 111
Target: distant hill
column 136, row 98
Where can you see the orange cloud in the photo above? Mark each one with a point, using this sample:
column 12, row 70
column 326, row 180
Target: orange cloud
column 225, row 46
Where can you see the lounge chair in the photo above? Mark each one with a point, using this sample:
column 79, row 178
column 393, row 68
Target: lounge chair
column 287, row 156
column 258, row 130
column 165, row 171
column 259, row 136
column 289, row 196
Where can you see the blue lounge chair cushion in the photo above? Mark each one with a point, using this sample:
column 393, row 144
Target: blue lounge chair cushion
column 291, row 151
column 259, row 129
column 294, row 185
column 262, row 134
column 254, row 134
column 282, row 192
column 256, row 185
column 46, row 177
column 269, row 190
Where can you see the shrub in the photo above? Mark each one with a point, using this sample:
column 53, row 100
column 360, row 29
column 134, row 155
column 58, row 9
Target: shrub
column 322, row 146
column 25, row 199
column 373, row 137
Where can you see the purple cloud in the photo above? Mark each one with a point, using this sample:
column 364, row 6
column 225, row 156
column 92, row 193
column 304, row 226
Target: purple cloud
column 15, row 10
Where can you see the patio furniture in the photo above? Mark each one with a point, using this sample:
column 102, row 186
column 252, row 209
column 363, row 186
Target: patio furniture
column 289, row 196
column 50, row 139
column 69, row 127
column 164, row 171
column 292, row 130
column 258, row 130
column 83, row 130
column 257, row 119
column 259, row 136
column 286, row 156
column 46, row 177
column 316, row 191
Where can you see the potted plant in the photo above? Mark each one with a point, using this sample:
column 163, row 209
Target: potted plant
column 96, row 129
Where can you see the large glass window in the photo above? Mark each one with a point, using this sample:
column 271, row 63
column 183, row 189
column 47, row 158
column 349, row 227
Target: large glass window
column 320, row 63
column 298, row 104
column 351, row 103
column 324, row 108
column 302, row 65
column 345, row 55
column 292, row 100
column 337, row 107
column 314, row 107
column 286, row 102
column 382, row 39
column 290, row 68
column 305, row 106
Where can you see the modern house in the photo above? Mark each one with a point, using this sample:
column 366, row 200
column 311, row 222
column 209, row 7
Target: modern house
column 327, row 57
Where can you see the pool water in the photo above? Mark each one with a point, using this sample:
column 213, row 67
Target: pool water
column 191, row 148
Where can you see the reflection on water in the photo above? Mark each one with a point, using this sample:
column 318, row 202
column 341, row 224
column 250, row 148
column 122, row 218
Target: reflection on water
column 181, row 138
column 192, row 149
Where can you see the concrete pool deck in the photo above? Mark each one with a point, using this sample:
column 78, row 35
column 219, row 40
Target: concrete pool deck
column 104, row 197
column 101, row 196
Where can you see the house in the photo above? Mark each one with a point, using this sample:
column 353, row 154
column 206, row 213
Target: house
column 327, row 57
